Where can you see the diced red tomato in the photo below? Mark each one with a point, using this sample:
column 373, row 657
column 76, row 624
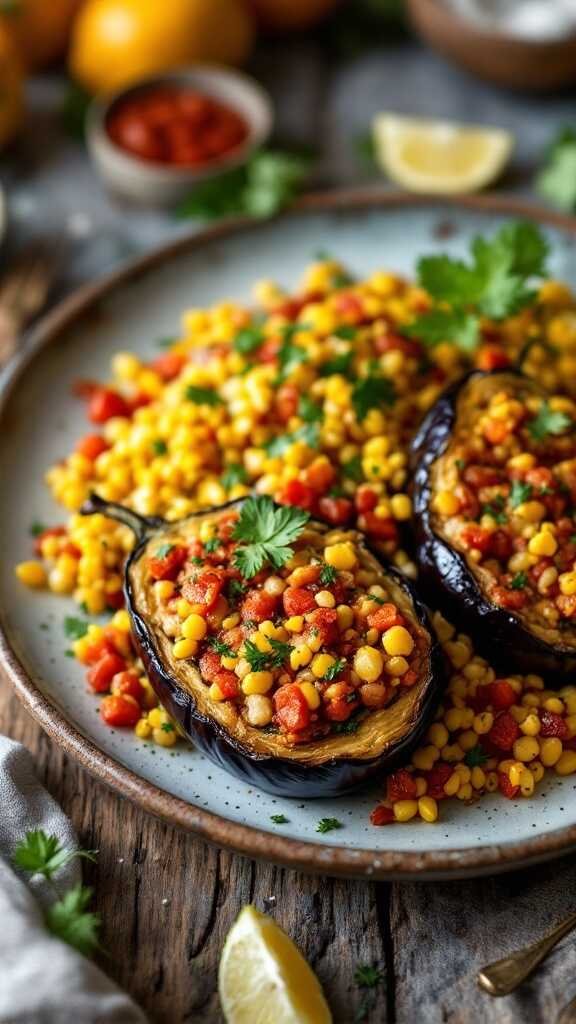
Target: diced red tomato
column 169, row 365
column 52, row 531
column 119, row 640
column 382, row 815
column 115, row 600
column 512, row 599
column 128, row 684
column 91, row 446
column 476, row 537
column 504, row 732
column 204, row 590
column 401, row 785
column 506, row 787
column 325, row 622
column 366, row 499
column 298, row 601
column 319, row 475
column 96, row 650
column 120, row 711
column 291, row 708
column 287, row 400
column 337, row 511
column 83, row 387
column 552, row 725
column 381, row 529
column 105, row 403
column 258, row 605
column 437, row 778
column 296, row 492
column 339, row 710
column 501, row 546
column 384, row 617
column 101, row 674
column 227, row 683
column 496, row 431
column 210, row 665
column 492, row 357
column 167, row 566
column 500, row 694
column 482, row 476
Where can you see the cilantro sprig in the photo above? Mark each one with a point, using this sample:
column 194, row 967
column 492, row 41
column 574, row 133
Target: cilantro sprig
column 372, row 392
column 67, row 917
column 519, row 493
column 265, row 532
column 261, row 660
column 202, row 396
column 75, row 628
column 233, row 475
column 496, row 282
column 328, row 824
column 557, row 180
column 548, row 422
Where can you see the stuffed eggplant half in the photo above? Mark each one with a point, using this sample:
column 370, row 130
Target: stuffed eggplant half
column 495, row 508
column 283, row 648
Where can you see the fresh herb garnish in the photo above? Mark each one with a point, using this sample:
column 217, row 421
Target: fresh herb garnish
column 476, row 757
column 334, row 671
column 309, row 410
column 308, row 434
column 235, row 591
column 519, row 581
column 495, row 509
column 328, row 574
column 328, row 824
column 353, row 469
column 166, row 342
column 290, row 355
column 67, row 917
column 557, row 181
column 75, row 628
column 261, row 660
column 233, row 475
column 163, row 551
column 36, row 528
column 351, row 725
column 367, row 976
column 346, row 332
column 265, row 184
column 278, row 819
column 519, row 493
column 202, row 396
column 159, row 447
column 372, row 393
column 222, row 648
column 212, row 544
column 196, row 560
column 548, row 422
column 266, row 530
column 495, row 283
column 339, row 364
column 248, row 340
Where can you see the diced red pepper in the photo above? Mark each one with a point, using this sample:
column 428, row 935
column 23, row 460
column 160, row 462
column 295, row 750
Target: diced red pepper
column 366, row 499
column 319, row 475
column 476, row 537
column 101, row 674
column 169, row 365
column 120, row 711
column 227, row 683
column 296, row 492
column 506, row 787
column 381, row 529
column 336, row 511
column 382, row 815
column 504, row 732
column 298, row 601
column 500, row 694
column 258, row 605
column 167, row 566
column 91, row 446
column 340, row 709
column 128, row 684
column 386, row 616
column 552, row 724
column 324, row 621
column 291, row 708
column 437, row 778
column 401, row 785
column 204, row 590
column 106, row 403
column 492, row 357
column 210, row 665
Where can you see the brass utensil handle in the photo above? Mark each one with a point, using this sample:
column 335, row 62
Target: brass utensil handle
column 502, row 977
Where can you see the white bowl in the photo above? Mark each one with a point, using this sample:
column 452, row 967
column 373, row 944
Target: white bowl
column 159, row 184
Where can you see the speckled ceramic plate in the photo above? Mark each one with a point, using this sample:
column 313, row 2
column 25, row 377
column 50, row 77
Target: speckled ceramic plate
column 39, row 421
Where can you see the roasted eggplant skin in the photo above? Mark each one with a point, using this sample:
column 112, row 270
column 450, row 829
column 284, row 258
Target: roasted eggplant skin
column 275, row 774
column 447, row 580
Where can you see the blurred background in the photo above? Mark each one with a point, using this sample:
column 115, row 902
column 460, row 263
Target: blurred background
column 97, row 167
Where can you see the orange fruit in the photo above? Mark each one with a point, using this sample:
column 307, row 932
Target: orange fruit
column 11, row 88
column 290, row 15
column 41, row 28
column 116, row 42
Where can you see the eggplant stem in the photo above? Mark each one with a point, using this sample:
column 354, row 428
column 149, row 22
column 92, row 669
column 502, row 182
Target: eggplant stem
column 141, row 526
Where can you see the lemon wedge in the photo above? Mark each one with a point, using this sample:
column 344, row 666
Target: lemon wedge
column 264, row 979
column 439, row 156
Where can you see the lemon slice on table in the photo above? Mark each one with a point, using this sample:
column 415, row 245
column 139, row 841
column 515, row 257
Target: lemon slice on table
column 264, row 979
column 439, row 156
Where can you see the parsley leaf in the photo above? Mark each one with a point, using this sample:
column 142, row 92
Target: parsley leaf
column 36, row 528
column 290, row 355
column 308, row 434
column 163, row 551
column 334, row 670
column 371, row 393
column 328, row 574
column 166, row 342
column 159, row 447
column 278, row 819
column 353, row 469
column 309, row 410
column 212, row 544
column 476, row 757
column 328, row 824
column 351, row 724
column 247, row 340
column 548, row 422
column 260, row 660
column 519, row 493
column 71, row 922
column 265, row 184
column 346, row 332
column 75, row 628
column 367, row 976
column 495, row 509
column 235, row 591
column 441, row 325
column 267, row 531
column 41, row 854
column 519, row 581
column 233, row 475
column 202, row 396
column 339, row 364
column 220, row 647
column 557, row 181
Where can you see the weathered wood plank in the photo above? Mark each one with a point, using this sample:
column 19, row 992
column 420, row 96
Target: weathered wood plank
column 166, row 954
column 444, row 933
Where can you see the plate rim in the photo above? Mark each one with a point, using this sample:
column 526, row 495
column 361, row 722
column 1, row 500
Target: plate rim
column 247, row 840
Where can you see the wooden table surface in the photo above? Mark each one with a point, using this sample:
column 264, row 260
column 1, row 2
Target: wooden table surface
column 428, row 939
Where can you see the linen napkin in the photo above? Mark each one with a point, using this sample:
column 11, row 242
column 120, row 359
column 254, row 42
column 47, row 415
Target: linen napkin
column 42, row 980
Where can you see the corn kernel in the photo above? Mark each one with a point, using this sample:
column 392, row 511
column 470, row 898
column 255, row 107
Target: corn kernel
column 543, row 543
column 184, row 648
column 342, row 556
column 143, row 729
column 397, row 666
column 300, row 656
column 345, row 617
column 32, row 574
column 397, row 640
column 295, row 624
column 438, row 735
column 405, row 810
column 526, row 748
column 311, row 694
column 566, row 763
column 183, row 608
column 324, row 599
column 428, row 808
column 321, row 663
column 194, row 627
column 550, row 751
column 446, row 503
column 531, row 725
column 257, row 682
column 368, row 664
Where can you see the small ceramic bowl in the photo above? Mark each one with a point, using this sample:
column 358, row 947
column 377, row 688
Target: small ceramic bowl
column 524, row 64
column 160, row 184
